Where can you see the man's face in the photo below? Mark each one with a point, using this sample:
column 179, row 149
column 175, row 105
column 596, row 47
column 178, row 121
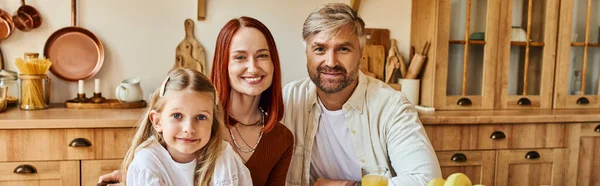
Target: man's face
column 333, row 63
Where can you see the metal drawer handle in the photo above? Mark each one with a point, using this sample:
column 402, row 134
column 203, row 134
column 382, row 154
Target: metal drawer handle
column 25, row 169
column 80, row 142
column 532, row 155
column 459, row 157
column 524, row 102
column 583, row 101
column 498, row 135
column 597, row 129
column 464, row 102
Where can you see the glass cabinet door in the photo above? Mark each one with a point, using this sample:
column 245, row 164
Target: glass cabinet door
column 579, row 55
column 470, row 45
column 527, row 52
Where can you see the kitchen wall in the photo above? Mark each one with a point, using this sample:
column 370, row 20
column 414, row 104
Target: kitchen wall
column 140, row 36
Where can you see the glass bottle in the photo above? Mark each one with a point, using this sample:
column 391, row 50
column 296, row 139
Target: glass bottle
column 576, row 84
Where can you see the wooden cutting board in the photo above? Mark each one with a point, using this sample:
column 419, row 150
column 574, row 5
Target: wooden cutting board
column 379, row 36
column 190, row 53
column 375, row 55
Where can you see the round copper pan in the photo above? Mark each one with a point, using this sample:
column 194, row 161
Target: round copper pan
column 6, row 25
column 27, row 17
column 76, row 53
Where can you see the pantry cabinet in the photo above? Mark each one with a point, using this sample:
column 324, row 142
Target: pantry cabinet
column 578, row 55
column 487, row 54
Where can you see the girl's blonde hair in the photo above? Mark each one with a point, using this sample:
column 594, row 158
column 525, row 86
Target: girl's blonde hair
column 179, row 80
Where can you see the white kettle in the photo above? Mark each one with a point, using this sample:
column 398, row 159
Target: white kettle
column 129, row 90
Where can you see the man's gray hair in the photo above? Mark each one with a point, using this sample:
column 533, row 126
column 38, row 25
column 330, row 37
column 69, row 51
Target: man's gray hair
column 330, row 19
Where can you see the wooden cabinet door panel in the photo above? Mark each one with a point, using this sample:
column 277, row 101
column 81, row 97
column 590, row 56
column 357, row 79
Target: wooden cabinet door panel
column 531, row 167
column 91, row 170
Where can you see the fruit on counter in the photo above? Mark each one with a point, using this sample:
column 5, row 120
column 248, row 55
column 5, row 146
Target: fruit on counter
column 436, row 182
column 456, row 179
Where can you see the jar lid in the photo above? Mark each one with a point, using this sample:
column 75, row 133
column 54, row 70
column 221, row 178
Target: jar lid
column 8, row 75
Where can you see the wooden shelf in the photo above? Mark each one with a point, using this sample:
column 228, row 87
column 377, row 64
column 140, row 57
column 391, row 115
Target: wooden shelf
column 522, row 43
column 580, row 44
column 471, row 42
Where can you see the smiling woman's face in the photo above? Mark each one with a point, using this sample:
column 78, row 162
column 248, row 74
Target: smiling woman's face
column 250, row 65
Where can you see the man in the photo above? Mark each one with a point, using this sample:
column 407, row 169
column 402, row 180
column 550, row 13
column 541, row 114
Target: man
column 343, row 120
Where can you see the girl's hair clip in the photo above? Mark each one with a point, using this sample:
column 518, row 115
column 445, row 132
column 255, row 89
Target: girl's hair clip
column 163, row 87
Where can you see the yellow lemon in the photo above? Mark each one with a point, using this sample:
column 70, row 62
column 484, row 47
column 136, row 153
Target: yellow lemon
column 436, row 182
column 458, row 179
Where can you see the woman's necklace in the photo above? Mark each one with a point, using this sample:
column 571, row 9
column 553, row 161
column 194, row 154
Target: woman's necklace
column 252, row 149
column 233, row 120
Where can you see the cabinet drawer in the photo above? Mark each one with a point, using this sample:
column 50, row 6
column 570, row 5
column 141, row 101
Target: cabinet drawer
column 63, row 144
column 508, row 136
column 590, row 130
column 64, row 173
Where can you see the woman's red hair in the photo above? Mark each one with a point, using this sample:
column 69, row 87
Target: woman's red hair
column 271, row 99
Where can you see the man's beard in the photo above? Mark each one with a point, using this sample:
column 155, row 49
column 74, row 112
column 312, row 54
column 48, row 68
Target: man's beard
column 333, row 85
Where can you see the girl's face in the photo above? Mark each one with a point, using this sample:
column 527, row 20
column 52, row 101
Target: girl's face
column 185, row 122
column 250, row 65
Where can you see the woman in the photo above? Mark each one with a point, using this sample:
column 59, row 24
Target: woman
column 247, row 75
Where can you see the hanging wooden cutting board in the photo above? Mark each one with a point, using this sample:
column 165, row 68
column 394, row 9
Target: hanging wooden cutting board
column 189, row 52
column 376, row 59
column 379, row 36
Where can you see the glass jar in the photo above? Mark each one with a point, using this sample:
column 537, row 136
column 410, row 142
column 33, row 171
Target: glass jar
column 35, row 92
column 10, row 80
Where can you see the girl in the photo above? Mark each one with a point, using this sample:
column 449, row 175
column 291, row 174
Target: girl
column 179, row 143
column 247, row 75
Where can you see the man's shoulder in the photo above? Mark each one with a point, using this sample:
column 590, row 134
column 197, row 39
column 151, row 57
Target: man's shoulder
column 301, row 84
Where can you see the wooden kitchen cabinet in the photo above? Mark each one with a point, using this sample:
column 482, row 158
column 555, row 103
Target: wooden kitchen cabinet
column 487, row 54
column 584, row 155
column 526, row 54
column 57, row 154
column 578, row 56
column 91, row 170
column 479, row 166
column 516, row 147
column 531, row 167
column 64, row 173
column 461, row 69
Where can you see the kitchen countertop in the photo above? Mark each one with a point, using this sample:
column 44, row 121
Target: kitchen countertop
column 57, row 116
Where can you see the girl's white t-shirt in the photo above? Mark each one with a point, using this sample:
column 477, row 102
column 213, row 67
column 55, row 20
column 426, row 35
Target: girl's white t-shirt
column 153, row 165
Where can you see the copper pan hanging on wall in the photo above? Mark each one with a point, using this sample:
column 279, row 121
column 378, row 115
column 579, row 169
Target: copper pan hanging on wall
column 75, row 52
column 27, row 17
column 6, row 25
